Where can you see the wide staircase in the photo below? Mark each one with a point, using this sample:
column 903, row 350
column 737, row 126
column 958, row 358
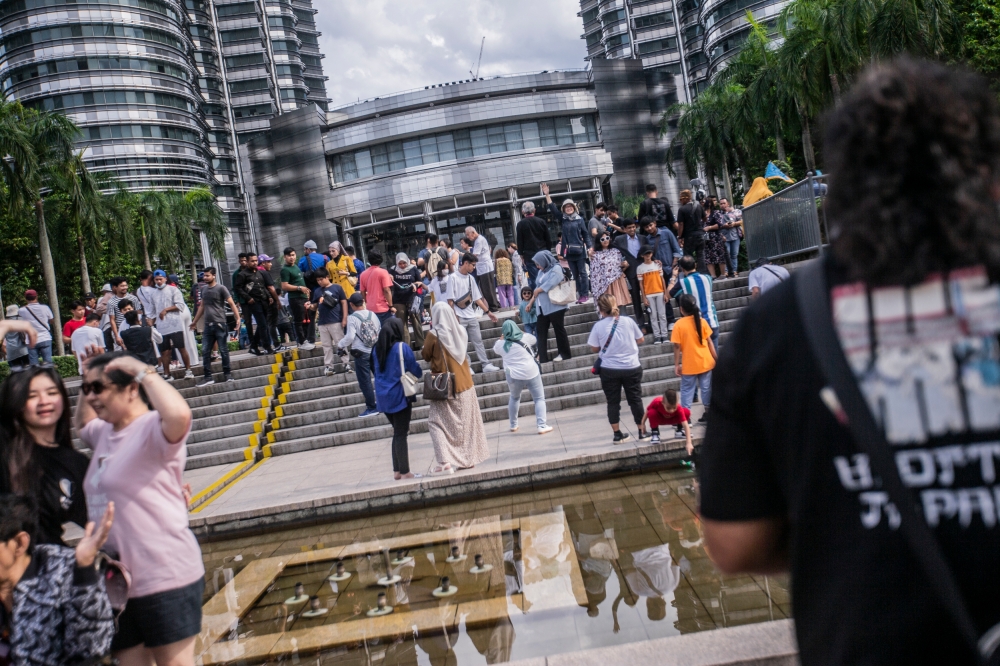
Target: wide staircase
column 282, row 404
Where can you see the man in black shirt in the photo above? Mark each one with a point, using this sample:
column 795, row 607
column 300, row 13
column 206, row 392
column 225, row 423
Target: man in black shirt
column 532, row 237
column 656, row 208
column 251, row 285
column 690, row 229
column 909, row 305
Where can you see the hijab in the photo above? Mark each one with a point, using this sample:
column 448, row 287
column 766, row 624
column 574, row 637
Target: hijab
column 453, row 337
column 759, row 190
column 545, row 259
column 391, row 333
column 340, row 250
column 402, row 256
column 511, row 333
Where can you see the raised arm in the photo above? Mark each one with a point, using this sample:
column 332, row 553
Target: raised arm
column 175, row 415
column 18, row 326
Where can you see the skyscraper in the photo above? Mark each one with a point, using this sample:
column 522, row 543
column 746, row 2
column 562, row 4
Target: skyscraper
column 165, row 92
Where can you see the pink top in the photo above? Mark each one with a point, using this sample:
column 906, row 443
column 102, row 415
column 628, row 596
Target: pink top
column 373, row 281
column 138, row 470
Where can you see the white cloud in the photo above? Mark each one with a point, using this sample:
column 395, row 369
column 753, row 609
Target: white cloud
column 377, row 47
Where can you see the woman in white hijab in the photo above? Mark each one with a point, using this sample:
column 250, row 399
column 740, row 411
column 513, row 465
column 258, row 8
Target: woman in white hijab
column 456, row 425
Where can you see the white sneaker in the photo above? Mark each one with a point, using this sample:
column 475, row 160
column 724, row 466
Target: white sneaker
column 657, row 342
column 328, row 372
column 188, row 374
column 558, row 358
column 489, row 367
column 513, row 428
column 545, row 429
column 307, row 346
column 208, row 381
column 168, row 378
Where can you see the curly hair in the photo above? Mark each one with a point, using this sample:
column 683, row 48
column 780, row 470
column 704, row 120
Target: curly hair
column 914, row 156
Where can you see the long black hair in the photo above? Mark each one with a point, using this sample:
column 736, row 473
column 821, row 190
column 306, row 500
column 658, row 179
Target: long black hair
column 689, row 306
column 19, row 470
column 391, row 333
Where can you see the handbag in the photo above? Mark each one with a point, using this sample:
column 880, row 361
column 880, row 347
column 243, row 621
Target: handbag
column 117, row 581
column 844, row 397
column 565, row 292
column 439, row 386
column 462, row 302
column 597, row 364
column 407, row 379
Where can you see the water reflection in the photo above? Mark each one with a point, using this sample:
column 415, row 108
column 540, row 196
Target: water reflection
column 572, row 568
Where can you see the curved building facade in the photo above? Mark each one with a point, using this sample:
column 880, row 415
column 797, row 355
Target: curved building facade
column 726, row 26
column 382, row 173
column 120, row 69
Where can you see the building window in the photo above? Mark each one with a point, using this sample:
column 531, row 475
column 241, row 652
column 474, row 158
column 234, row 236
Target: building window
column 245, row 60
column 613, row 17
column 590, row 15
column 492, row 139
column 594, row 38
column 616, row 40
column 653, row 20
column 139, row 132
column 60, row 102
column 252, row 111
column 90, row 30
column 9, row 8
column 727, row 8
column 239, row 9
column 248, row 85
column 242, row 35
column 668, row 44
column 22, row 74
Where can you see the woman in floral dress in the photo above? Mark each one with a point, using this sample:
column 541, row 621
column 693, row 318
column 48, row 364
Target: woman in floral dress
column 716, row 253
column 606, row 271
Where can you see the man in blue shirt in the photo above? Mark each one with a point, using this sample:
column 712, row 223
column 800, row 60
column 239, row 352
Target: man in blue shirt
column 330, row 302
column 311, row 260
column 359, row 265
column 666, row 250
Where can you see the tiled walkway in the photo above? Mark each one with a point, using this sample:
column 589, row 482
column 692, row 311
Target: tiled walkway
column 325, row 473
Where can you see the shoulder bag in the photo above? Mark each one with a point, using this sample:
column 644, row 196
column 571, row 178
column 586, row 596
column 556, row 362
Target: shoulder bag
column 439, row 385
column 597, row 364
column 465, row 301
column 407, row 379
column 813, row 299
column 565, row 292
column 35, row 317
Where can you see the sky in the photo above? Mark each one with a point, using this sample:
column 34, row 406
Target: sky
column 377, row 47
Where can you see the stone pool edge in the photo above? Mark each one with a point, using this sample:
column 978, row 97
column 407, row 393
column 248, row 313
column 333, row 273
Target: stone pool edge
column 436, row 491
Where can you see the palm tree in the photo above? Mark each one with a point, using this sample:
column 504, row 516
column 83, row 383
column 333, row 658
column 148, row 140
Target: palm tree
column 194, row 213
column 152, row 215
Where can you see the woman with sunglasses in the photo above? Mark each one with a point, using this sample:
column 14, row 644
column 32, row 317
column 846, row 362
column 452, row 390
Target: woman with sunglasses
column 37, row 458
column 606, row 274
column 137, row 425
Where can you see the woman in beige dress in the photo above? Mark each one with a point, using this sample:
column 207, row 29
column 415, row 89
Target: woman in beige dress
column 456, row 425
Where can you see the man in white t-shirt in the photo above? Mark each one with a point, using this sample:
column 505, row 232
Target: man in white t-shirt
column 40, row 317
column 168, row 304
column 764, row 276
column 485, row 275
column 89, row 334
column 464, row 290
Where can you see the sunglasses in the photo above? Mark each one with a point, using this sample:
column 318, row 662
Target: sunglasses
column 97, row 388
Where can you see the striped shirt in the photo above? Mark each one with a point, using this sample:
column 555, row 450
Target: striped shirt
column 699, row 285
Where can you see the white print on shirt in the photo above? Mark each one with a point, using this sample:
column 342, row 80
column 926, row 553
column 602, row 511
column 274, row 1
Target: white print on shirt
column 923, row 468
column 929, row 365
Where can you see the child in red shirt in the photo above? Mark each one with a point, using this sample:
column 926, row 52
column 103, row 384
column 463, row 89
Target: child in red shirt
column 666, row 411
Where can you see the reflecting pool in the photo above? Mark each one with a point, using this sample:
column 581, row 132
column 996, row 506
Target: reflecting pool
column 528, row 575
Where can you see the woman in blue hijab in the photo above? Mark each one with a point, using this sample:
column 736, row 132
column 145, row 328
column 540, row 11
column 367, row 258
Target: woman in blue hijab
column 550, row 276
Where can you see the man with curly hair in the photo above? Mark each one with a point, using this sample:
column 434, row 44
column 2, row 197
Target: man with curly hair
column 870, row 470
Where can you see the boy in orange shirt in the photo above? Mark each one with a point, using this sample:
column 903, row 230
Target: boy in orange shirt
column 694, row 354
column 664, row 410
column 650, row 276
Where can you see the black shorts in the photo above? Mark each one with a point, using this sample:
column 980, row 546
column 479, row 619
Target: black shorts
column 160, row 619
column 172, row 341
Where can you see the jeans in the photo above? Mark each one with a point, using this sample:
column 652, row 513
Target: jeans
column 471, row 327
column 530, row 328
column 532, row 273
column 215, row 333
column 537, row 392
column 296, row 308
column 330, row 335
column 658, row 315
column 43, row 349
column 556, row 320
column 400, row 422
column 383, row 316
column 688, row 385
column 364, row 368
column 260, row 336
column 506, row 294
column 733, row 247
column 578, row 265
column 612, row 383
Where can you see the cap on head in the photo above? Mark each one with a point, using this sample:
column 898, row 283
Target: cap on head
column 106, row 288
column 89, row 295
column 159, row 273
column 12, row 310
column 356, row 298
column 30, row 294
column 173, row 278
column 310, row 245
column 645, row 249
column 264, row 257
column 568, row 202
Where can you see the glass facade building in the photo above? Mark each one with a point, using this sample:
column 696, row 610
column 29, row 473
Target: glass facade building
column 165, row 91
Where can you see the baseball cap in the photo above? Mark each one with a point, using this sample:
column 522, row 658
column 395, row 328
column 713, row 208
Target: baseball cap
column 89, row 295
column 310, row 244
column 356, row 298
column 12, row 310
column 645, row 249
column 264, row 257
column 31, row 294
column 173, row 278
column 159, row 273
column 106, row 287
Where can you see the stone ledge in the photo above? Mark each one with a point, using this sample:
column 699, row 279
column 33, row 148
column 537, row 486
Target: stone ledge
column 764, row 644
column 443, row 490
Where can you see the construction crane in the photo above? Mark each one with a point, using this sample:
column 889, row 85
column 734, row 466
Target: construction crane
column 475, row 76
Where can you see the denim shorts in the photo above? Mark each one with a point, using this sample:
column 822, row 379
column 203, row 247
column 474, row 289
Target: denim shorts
column 160, row 619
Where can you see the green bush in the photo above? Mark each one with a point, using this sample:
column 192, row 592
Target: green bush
column 234, row 346
column 65, row 365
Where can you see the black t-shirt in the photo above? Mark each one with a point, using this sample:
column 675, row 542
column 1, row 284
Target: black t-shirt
column 773, row 449
column 692, row 216
column 402, row 285
column 59, row 495
column 659, row 210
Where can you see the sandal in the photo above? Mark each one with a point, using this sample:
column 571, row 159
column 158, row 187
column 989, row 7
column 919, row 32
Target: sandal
column 442, row 470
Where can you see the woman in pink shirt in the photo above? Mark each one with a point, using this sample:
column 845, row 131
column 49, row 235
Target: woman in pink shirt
column 137, row 425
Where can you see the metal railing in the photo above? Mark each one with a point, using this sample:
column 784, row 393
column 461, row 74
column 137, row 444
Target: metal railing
column 787, row 223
